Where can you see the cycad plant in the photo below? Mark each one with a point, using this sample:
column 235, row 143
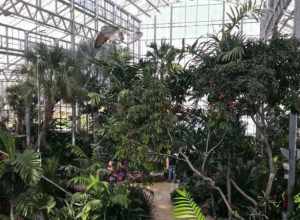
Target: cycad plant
column 185, row 207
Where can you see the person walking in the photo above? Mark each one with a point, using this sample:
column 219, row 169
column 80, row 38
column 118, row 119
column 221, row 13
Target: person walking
column 171, row 166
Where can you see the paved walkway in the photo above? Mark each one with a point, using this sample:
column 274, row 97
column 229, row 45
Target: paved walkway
column 162, row 209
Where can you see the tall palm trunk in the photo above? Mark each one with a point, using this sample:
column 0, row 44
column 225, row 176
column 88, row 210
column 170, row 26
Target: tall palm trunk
column 28, row 124
column 78, row 115
column 48, row 116
column 19, row 123
column 228, row 185
column 73, row 123
column 11, row 210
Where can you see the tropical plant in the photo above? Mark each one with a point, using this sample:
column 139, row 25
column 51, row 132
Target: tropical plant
column 17, row 170
column 296, row 214
column 55, row 75
column 185, row 207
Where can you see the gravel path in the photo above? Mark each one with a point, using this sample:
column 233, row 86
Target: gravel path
column 162, row 209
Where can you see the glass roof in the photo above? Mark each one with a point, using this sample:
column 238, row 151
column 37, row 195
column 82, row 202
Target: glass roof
column 24, row 22
column 144, row 7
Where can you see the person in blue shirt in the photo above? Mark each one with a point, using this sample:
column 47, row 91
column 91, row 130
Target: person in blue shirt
column 171, row 166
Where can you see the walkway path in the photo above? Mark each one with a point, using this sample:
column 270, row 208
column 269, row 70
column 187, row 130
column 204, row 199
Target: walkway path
column 162, row 209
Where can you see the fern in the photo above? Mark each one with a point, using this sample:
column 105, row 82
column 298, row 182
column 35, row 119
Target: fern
column 185, row 207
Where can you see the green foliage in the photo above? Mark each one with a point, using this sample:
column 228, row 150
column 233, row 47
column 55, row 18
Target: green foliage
column 247, row 10
column 7, row 145
column 296, row 213
column 228, row 45
column 185, row 207
column 32, row 202
column 28, row 166
column 140, row 109
column 104, row 201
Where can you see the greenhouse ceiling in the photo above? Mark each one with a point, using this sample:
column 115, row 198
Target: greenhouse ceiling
column 26, row 22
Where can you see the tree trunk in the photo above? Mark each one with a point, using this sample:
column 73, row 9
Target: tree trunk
column 78, row 115
column 48, row 116
column 11, row 210
column 93, row 127
column 214, row 212
column 228, row 186
column 73, row 129
column 261, row 126
column 19, row 123
column 28, row 125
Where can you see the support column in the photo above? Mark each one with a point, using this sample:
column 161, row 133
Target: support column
column 28, row 105
column 38, row 104
column 223, row 16
column 171, row 24
column 154, row 28
column 292, row 160
column 73, row 53
column 293, row 127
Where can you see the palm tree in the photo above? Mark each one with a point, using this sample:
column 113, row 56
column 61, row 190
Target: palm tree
column 58, row 77
column 18, row 96
column 17, row 170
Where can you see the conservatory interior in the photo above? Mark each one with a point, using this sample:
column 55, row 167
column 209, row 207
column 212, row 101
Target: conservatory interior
column 149, row 109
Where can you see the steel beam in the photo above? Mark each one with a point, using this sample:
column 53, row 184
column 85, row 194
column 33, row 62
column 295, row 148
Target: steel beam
column 166, row 2
column 117, row 17
column 8, row 75
column 153, row 6
column 89, row 16
column 16, row 43
column 139, row 8
column 45, row 17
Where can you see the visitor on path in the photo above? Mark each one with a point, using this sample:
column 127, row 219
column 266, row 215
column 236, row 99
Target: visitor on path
column 117, row 173
column 122, row 169
column 171, row 167
column 112, row 177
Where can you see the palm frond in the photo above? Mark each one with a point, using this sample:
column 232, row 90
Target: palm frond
column 237, row 14
column 7, row 144
column 235, row 54
column 185, row 207
column 77, row 151
column 32, row 202
column 79, row 180
column 91, row 206
column 2, row 168
column 28, row 166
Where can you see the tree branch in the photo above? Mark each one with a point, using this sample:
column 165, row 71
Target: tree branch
column 243, row 193
column 207, row 141
column 212, row 184
column 207, row 154
column 166, row 155
column 269, row 152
